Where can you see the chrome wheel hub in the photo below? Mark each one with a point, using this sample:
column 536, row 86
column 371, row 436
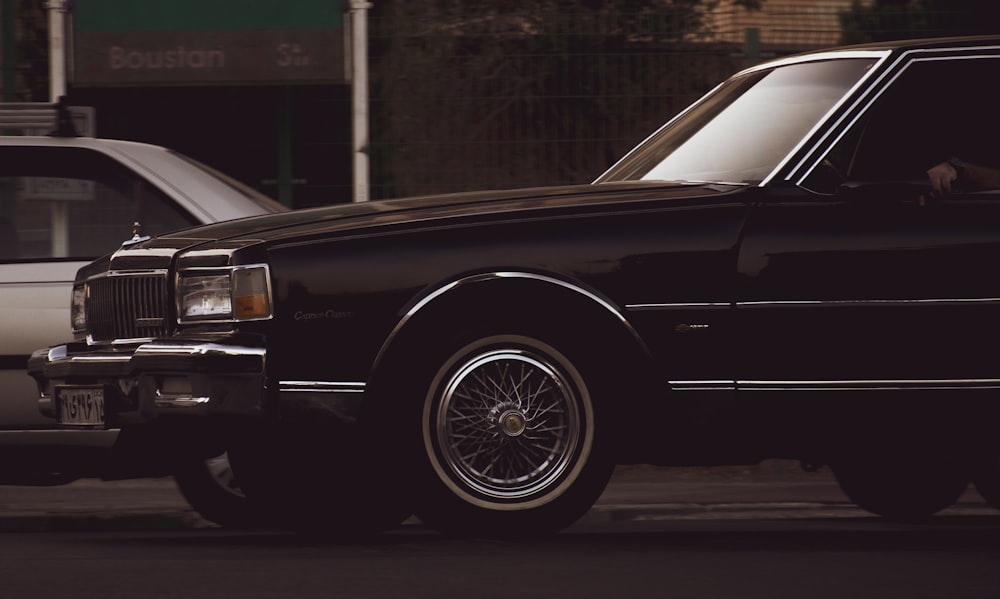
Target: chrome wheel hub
column 512, row 423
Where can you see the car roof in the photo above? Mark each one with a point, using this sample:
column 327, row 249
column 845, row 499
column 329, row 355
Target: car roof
column 886, row 48
column 927, row 43
column 209, row 195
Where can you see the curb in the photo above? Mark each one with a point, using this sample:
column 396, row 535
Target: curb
column 107, row 522
column 760, row 511
column 190, row 520
column 772, row 491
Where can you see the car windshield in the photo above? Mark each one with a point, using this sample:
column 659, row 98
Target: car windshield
column 744, row 129
column 246, row 191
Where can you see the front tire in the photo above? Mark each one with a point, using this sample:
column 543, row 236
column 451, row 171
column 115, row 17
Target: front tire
column 314, row 479
column 212, row 490
column 511, row 441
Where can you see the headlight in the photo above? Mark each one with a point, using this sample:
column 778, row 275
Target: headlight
column 206, row 296
column 227, row 294
column 78, row 309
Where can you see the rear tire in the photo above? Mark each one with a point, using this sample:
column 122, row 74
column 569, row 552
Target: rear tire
column 987, row 482
column 910, row 489
column 511, row 443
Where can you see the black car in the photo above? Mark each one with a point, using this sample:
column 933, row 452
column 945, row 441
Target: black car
column 770, row 275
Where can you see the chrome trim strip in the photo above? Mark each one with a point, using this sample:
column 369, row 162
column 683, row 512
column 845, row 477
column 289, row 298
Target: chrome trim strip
column 816, row 57
column 213, row 252
column 678, row 306
column 872, row 302
column 709, row 385
column 869, row 385
column 508, row 275
column 128, row 273
column 121, row 359
column 146, row 252
column 194, row 349
column 320, row 387
column 178, row 400
column 128, row 341
column 835, row 385
column 59, row 353
column 818, row 303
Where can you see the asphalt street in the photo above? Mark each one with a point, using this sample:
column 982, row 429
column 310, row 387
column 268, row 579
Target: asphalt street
column 770, row 490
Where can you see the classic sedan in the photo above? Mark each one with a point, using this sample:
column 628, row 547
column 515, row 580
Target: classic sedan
column 769, row 275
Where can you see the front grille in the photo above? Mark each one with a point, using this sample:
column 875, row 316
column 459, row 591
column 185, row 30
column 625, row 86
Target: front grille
column 127, row 306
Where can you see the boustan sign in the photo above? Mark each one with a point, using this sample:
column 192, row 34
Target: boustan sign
column 123, row 42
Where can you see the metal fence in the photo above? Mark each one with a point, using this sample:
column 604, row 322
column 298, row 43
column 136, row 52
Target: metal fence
column 503, row 104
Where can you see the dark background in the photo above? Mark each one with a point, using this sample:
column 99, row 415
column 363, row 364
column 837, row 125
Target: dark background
column 477, row 94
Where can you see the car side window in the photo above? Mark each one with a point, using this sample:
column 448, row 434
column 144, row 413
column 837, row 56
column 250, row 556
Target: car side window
column 933, row 110
column 75, row 203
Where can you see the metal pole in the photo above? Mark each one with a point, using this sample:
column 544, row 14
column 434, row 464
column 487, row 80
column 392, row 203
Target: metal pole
column 57, row 89
column 358, row 24
column 285, row 146
column 7, row 49
column 751, row 46
column 57, row 49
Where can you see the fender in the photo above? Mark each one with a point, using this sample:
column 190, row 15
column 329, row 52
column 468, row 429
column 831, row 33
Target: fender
column 421, row 303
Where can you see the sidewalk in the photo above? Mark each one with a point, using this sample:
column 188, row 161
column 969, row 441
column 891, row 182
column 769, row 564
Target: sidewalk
column 770, row 490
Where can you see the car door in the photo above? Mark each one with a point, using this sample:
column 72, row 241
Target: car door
column 873, row 283
column 844, row 294
column 60, row 207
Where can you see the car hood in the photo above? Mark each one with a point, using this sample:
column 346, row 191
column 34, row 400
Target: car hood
column 457, row 205
column 230, row 235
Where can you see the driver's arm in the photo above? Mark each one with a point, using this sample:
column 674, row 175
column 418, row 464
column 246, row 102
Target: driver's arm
column 980, row 177
column 942, row 176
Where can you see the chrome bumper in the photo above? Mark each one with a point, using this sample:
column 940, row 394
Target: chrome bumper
column 157, row 378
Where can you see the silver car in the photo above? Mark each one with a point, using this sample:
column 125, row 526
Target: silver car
column 63, row 202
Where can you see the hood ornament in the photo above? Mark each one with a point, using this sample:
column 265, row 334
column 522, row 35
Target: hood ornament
column 137, row 236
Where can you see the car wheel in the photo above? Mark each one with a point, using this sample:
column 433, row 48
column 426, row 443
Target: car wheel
column 211, row 489
column 310, row 479
column 987, row 482
column 511, row 438
column 906, row 490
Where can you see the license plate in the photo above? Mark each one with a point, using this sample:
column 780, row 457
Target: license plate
column 80, row 406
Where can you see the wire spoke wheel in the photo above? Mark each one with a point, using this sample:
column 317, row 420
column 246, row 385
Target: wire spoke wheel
column 508, row 430
column 508, row 424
